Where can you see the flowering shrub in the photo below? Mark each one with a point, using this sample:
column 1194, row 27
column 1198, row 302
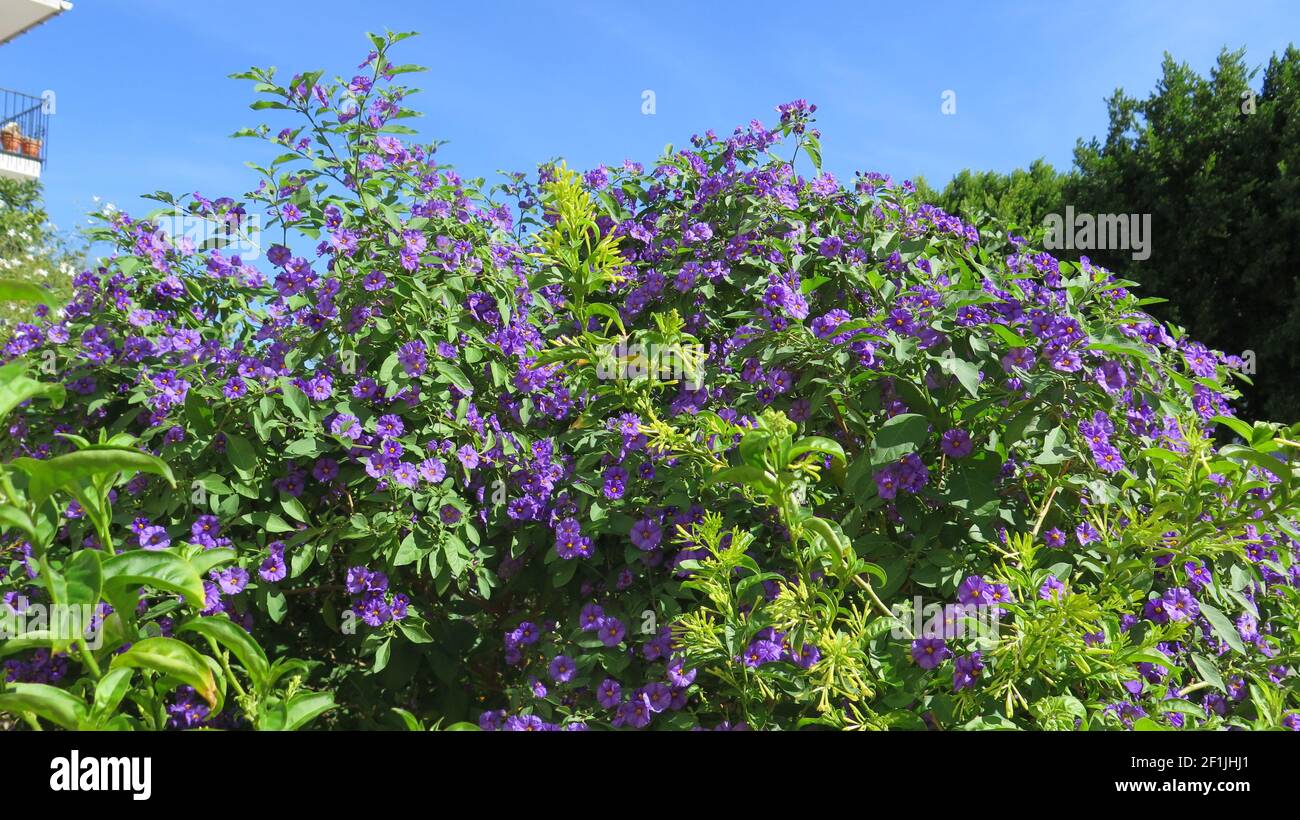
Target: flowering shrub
column 711, row 444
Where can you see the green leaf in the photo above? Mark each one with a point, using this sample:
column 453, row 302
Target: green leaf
column 160, row 569
column 241, row 455
column 1058, row 712
column 37, row 639
column 1223, row 627
column 745, row 475
column 11, row 516
column 85, row 578
column 305, row 707
column 16, row 388
column 1209, row 673
column 295, row 400
column 609, row 312
column 49, row 702
column 50, row 474
column 813, row 147
column 11, row 291
column 818, row 444
column 109, row 692
column 236, row 639
column 903, row 434
column 455, row 375
column 294, row 508
column 876, row 571
column 170, row 657
column 966, row 372
column 1054, row 450
column 205, row 561
column 411, row 722
column 753, row 448
column 1237, row 426
column 822, row 528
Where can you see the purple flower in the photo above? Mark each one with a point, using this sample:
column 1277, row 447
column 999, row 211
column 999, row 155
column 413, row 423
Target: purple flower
column 974, row 590
column 358, row 580
column 646, row 534
column 562, row 669
column 611, row 631
column 433, row 470
column 1107, row 458
column 1086, row 533
column 679, row 676
column 232, row 580
column 389, row 426
column 590, row 617
column 761, row 652
column 930, row 652
column 154, row 538
column 1052, row 589
column 375, row 610
column 1179, row 604
column 956, row 443
column 325, row 470
column 615, row 482
column 411, row 356
column 273, row 568
column 967, row 669
column 609, row 694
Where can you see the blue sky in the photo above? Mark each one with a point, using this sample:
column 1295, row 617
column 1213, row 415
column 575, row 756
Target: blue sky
column 144, row 103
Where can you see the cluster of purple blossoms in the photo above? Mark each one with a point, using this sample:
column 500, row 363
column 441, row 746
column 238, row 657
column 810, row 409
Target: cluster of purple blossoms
column 909, row 474
column 188, row 711
column 206, row 532
column 524, row 635
column 770, row 646
column 371, row 599
column 608, row 629
column 274, row 567
column 1097, row 433
column 570, row 543
column 966, row 671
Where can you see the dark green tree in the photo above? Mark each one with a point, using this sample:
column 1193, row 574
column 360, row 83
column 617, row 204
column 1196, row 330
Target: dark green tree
column 1018, row 200
column 1214, row 162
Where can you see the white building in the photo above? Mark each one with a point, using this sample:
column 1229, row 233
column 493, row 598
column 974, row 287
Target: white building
column 24, row 119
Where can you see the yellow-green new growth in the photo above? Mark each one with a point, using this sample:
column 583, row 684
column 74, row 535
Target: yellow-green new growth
column 573, row 245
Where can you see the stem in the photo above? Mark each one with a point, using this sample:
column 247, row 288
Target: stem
column 1047, row 503
column 871, row 593
column 88, row 658
column 1193, row 688
column 225, row 667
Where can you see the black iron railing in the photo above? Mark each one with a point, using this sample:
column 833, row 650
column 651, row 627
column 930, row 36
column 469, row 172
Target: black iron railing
column 24, row 125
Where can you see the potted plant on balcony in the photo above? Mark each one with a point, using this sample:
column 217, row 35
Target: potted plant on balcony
column 32, row 147
column 11, row 137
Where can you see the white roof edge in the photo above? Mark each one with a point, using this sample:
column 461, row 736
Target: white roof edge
column 56, row 7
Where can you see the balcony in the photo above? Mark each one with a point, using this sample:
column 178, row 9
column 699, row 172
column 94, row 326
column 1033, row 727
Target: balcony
column 24, row 128
column 24, row 119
